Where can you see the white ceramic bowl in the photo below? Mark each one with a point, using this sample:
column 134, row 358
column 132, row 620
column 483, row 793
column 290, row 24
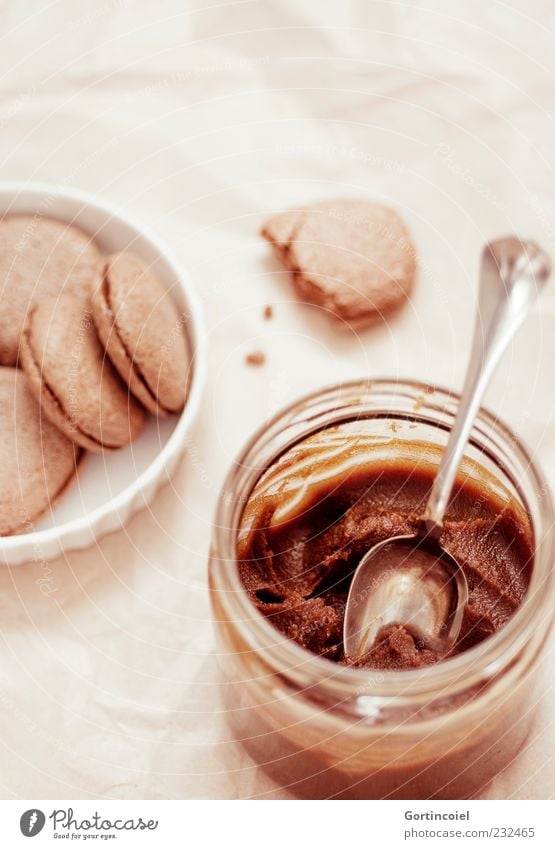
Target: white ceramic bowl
column 110, row 487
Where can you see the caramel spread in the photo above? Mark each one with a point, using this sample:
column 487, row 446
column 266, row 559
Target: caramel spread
column 323, row 504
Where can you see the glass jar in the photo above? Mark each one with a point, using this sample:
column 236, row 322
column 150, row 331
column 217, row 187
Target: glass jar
column 322, row 729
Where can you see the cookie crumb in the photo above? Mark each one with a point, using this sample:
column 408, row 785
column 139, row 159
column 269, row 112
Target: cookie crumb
column 268, row 312
column 255, row 358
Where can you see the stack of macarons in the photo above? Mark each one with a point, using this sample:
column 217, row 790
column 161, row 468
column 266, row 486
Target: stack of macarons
column 88, row 346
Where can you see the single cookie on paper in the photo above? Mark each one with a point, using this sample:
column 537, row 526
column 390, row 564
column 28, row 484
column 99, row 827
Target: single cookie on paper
column 352, row 258
column 39, row 257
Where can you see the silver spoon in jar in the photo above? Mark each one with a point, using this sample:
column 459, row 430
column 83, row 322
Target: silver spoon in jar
column 412, row 580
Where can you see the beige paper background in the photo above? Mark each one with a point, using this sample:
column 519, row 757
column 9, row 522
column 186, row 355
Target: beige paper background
column 203, row 118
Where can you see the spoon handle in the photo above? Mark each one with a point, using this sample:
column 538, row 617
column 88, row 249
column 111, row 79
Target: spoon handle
column 511, row 275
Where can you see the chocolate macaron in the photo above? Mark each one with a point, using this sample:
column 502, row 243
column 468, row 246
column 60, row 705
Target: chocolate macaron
column 37, row 462
column 142, row 330
column 353, row 258
column 68, row 371
column 39, row 257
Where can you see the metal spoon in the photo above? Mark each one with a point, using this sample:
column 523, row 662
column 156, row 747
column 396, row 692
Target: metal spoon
column 411, row 580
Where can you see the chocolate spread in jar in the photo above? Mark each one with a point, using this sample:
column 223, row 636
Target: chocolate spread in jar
column 323, row 504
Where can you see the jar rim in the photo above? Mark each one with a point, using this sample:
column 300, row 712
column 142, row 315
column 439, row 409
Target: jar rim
column 474, row 664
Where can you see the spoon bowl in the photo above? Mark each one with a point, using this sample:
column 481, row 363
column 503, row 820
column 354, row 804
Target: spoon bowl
column 409, row 581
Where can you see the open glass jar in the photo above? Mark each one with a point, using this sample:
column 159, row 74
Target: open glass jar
column 324, row 729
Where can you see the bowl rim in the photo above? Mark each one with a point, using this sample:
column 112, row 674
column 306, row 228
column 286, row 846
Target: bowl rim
column 197, row 337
